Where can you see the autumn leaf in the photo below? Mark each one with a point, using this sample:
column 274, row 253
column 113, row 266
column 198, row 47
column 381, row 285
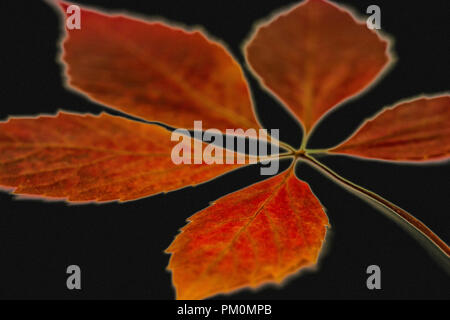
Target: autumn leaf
column 157, row 71
column 258, row 234
column 95, row 158
column 417, row 130
column 315, row 56
column 312, row 57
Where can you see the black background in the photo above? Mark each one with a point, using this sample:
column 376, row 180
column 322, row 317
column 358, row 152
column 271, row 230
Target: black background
column 119, row 247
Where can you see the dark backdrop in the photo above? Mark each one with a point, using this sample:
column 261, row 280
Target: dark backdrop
column 119, row 247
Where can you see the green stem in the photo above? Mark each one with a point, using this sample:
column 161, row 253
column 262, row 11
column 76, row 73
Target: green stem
column 399, row 212
column 286, row 146
column 304, row 140
column 274, row 157
column 316, row 151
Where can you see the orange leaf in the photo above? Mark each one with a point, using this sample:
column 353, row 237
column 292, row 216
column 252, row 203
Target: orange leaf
column 418, row 130
column 261, row 233
column 314, row 56
column 93, row 158
column 157, row 72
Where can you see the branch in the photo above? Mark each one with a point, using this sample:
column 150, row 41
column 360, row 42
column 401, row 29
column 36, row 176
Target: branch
column 399, row 212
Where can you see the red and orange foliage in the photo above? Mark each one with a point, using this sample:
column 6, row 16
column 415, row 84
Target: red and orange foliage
column 315, row 56
column 157, row 72
column 417, row 130
column 83, row 158
column 263, row 232
column 312, row 57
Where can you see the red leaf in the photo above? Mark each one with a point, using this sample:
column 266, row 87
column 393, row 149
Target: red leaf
column 93, row 158
column 258, row 234
column 418, row 130
column 157, row 71
column 315, row 56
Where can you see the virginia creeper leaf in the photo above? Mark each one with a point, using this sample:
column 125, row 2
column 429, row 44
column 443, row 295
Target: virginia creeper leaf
column 417, row 130
column 258, row 234
column 157, row 71
column 314, row 56
column 93, row 158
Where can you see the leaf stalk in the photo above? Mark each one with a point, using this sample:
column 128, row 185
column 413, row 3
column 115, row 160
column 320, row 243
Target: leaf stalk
column 399, row 212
